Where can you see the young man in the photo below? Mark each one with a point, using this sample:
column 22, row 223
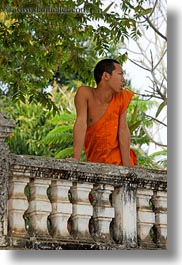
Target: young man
column 101, row 124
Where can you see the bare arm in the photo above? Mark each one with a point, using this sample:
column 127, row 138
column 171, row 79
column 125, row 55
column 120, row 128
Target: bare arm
column 80, row 126
column 124, row 140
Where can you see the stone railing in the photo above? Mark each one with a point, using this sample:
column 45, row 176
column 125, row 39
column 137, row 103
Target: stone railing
column 49, row 203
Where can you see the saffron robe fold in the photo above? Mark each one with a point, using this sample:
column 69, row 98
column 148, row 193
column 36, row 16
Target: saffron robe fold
column 101, row 139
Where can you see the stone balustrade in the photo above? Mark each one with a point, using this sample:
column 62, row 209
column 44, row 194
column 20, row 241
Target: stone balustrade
column 49, row 203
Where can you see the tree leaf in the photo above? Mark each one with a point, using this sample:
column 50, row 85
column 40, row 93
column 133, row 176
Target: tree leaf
column 160, row 108
column 108, row 7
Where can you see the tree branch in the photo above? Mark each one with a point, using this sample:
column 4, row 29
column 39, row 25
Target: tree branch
column 138, row 65
column 160, row 122
column 155, row 29
column 152, row 140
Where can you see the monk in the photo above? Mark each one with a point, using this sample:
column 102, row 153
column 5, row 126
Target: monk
column 101, row 122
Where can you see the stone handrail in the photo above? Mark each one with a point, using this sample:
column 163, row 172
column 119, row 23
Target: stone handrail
column 49, row 203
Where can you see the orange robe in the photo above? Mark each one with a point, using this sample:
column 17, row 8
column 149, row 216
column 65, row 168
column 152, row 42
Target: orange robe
column 101, row 139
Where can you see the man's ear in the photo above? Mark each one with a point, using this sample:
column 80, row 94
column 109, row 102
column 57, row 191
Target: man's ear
column 106, row 76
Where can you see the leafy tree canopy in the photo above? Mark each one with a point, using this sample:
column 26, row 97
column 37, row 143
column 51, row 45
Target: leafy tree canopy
column 44, row 40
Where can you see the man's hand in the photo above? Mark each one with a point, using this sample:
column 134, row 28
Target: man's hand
column 71, row 159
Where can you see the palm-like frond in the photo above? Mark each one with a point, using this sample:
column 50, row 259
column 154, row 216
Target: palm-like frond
column 63, row 118
column 160, row 157
column 66, row 152
column 60, row 134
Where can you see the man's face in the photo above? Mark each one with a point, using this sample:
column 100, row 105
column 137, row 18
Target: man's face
column 117, row 80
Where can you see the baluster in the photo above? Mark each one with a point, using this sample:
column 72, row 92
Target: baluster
column 125, row 228
column 160, row 202
column 17, row 205
column 61, row 208
column 39, row 207
column 82, row 210
column 118, row 220
column 146, row 218
column 103, row 211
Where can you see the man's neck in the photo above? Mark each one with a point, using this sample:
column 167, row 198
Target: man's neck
column 103, row 95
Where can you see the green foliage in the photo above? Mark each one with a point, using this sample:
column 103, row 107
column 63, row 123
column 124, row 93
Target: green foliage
column 160, row 108
column 156, row 160
column 37, row 42
column 160, row 157
column 137, row 120
column 67, row 152
column 60, row 135
column 32, row 123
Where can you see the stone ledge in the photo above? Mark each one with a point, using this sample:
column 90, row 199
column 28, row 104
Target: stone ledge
column 35, row 244
column 51, row 168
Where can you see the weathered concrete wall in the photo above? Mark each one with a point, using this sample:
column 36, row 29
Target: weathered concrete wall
column 128, row 208
column 5, row 128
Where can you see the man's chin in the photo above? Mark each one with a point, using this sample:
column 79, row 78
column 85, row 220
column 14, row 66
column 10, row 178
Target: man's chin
column 118, row 90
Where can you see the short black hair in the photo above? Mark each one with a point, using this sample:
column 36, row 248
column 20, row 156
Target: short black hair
column 105, row 65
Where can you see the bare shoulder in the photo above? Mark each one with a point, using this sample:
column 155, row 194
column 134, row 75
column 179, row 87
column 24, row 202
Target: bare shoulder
column 85, row 89
column 84, row 92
